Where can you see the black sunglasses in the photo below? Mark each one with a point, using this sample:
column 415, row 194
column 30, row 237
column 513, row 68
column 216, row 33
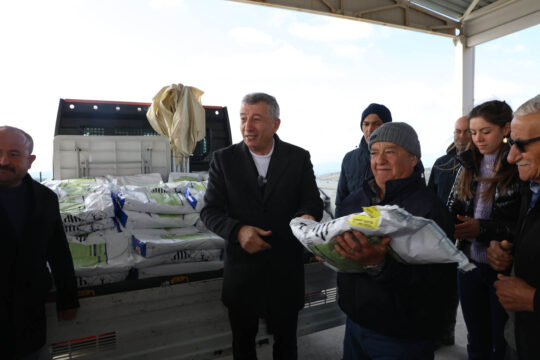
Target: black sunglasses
column 520, row 144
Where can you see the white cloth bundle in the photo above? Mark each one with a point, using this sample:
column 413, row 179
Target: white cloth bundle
column 153, row 242
column 415, row 240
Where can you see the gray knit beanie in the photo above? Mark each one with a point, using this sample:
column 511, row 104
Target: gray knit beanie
column 398, row 133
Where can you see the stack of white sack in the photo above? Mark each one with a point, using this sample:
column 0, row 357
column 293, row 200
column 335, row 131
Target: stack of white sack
column 415, row 240
column 166, row 198
column 150, row 226
column 163, row 252
column 168, row 237
column 101, row 257
column 86, row 205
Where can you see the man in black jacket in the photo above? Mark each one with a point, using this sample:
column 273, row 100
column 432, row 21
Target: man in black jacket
column 355, row 166
column 254, row 189
column 394, row 310
column 442, row 177
column 518, row 293
column 444, row 170
column 33, row 236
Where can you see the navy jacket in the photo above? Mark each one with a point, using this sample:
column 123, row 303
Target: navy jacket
column 355, row 168
column 24, row 265
column 271, row 280
column 443, row 174
column 403, row 301
column 527, row 267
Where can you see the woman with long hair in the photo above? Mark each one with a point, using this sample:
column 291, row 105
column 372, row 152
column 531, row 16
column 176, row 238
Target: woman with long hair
column 485, row 203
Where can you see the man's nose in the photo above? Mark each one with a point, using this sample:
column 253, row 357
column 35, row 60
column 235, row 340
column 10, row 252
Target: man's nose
column 4, row 158
column 513, row 155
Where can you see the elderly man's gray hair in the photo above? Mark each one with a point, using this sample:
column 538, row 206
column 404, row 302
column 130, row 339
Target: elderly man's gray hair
column 254, row 98
column 29, row 141
column 529, row 107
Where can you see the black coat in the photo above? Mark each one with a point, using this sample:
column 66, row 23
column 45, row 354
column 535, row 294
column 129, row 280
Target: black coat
column 272, row 279
column 403, row 301
column 504, row 211
column 527, row 267
column 355, row 168
column 22, row 312
column 443, row 174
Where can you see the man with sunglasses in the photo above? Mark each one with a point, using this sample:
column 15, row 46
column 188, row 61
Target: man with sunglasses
column 518, row 293
column 32, row 236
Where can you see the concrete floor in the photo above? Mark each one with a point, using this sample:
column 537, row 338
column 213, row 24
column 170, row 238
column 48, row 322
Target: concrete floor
column 327, row 345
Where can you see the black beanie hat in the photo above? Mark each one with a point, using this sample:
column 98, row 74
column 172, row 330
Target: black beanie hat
column 381, row 110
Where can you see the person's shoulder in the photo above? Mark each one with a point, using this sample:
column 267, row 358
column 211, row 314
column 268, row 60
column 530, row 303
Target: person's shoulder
column 228, row 151
column 285, row 146
column 43, row 191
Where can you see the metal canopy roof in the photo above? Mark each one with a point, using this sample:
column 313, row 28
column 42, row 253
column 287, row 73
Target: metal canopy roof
column 472, row 21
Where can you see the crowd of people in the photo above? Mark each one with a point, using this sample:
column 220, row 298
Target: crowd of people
column 483, row 193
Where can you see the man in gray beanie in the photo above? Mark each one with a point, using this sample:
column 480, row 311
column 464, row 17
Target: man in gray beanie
column 355, row 165
column 393, row 308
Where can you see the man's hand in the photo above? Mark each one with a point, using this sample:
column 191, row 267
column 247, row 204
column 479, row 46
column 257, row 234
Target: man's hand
column 250, row 239
column 307, row 216
column 468, row 229
column 361, row 250
column 514, row 293
column 68, row 314
column 499, row 256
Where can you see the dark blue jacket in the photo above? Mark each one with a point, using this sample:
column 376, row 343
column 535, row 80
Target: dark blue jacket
column 527, row 267
column 443, row 174
column 403, row 301
column 355, row 168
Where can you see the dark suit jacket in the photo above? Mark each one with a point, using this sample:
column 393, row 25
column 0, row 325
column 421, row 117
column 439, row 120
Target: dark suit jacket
column 272, row 279
column 27, row 279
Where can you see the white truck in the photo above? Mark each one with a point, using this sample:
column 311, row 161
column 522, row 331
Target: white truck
column 176, row 316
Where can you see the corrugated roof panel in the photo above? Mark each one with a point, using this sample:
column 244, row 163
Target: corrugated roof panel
column 451, row 8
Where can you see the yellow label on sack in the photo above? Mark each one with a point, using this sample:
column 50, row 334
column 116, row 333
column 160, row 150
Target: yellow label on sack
column 369, row 221
column 372, row 211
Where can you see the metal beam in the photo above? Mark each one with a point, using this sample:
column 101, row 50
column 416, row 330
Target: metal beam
column 465, row 74
column 499, row 19
column 396, row 13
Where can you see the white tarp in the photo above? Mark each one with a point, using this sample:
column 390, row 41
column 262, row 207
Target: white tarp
column 177, row 113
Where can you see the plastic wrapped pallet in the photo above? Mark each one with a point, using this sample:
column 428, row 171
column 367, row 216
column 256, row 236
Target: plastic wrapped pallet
column 415, row 240
column 142, row 220
column 149, row 243
column 161, row 200
column 179, row 256
column 136, row 180
column 101, row 257
column 175, row 269
column 183, row 176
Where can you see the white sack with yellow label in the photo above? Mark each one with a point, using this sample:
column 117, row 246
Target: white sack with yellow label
column 415, row 240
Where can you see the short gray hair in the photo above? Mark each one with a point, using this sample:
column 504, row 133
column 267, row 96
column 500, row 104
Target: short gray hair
column 28, row 138
column 529, row 107
column 273, row 106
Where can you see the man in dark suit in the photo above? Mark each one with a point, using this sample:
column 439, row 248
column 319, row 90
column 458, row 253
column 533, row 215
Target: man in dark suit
column 32, row 237
column 255, row 188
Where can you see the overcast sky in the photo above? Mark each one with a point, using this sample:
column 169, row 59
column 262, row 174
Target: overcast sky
column 323, row 71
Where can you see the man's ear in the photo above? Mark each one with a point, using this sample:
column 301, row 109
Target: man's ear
column 277, row 122
column 414, row 160
column 31, row 159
